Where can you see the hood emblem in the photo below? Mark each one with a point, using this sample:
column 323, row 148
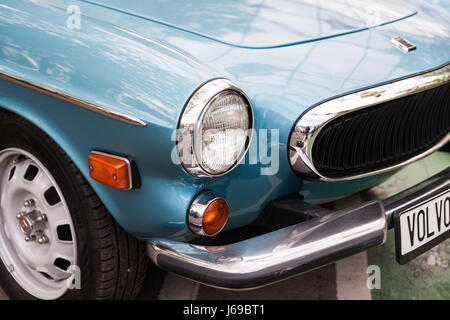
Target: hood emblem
column 403, row 44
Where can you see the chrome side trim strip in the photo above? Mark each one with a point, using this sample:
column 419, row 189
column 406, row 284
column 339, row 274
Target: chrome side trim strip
column 73, row 100
column 314, row 120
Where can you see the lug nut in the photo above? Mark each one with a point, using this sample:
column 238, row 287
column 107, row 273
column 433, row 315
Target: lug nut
column 21, row 214
column 29, row 203
column 30, row 238
column 42, row 240
column 42, row 217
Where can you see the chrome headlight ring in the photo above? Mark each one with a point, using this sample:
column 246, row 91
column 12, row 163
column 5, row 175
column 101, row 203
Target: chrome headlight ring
column 190, row 136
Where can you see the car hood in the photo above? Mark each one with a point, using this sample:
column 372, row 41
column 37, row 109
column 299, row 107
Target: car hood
column 264, row 23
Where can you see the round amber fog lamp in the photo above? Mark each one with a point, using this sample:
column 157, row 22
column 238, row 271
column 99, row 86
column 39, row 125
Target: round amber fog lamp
column 207, row 214
column 215, row 217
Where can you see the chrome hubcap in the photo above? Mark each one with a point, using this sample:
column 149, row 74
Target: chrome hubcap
column 37, row 238
column 33, row 223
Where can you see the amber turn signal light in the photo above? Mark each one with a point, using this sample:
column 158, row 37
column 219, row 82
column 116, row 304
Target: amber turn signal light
column 215, row 216
column 207, row 214
column 110, row 170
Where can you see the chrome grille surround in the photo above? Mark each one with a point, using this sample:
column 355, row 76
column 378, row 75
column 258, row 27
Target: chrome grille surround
column 307, row 128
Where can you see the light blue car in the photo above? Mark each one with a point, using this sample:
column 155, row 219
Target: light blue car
column 206, row 135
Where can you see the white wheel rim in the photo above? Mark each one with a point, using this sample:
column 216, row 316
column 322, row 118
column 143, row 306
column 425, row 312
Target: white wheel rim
column 42, row 263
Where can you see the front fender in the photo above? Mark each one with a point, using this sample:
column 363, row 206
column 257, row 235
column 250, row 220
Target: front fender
column 110, row 67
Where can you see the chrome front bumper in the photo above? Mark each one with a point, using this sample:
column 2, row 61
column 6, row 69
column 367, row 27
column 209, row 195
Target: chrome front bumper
column 287, row 252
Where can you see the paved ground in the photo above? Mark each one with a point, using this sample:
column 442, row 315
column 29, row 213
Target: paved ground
column 426, row 277
column 342, row 280
column 345, row 279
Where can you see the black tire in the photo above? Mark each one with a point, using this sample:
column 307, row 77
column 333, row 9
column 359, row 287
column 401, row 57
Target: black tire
column 113, row 264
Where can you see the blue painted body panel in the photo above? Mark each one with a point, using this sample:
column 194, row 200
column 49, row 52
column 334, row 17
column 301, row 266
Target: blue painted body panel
column 261, row 24
column 147, row 69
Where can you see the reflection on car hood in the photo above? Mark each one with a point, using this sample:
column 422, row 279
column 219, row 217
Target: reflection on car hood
column 264, row 23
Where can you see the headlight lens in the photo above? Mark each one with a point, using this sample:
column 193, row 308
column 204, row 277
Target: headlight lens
column 223, row 132
column 215, row 129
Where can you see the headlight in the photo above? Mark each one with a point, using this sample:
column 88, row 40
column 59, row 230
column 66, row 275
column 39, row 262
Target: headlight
column 215, row 129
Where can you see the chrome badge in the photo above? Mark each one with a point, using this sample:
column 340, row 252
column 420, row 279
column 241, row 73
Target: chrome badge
column 403, row 44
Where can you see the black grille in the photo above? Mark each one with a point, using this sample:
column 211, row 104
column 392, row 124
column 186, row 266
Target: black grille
column 383, row 135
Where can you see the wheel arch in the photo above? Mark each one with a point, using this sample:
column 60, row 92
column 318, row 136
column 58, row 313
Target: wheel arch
column 49, row 124
column 78, row 131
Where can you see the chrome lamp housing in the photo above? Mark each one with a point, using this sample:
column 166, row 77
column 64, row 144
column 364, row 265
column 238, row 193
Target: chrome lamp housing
column 215, row 129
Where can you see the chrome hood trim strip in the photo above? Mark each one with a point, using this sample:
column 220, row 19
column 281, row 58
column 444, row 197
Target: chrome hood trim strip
column 73, row 100
column 316, row 118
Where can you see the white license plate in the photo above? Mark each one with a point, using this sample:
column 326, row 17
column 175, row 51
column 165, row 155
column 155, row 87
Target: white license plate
column 422, row 227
